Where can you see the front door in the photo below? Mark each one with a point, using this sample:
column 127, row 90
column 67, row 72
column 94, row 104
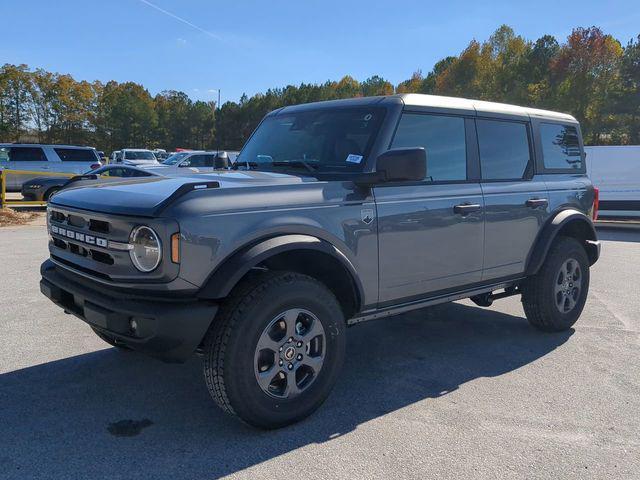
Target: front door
column 30, row 159
column 430, row 234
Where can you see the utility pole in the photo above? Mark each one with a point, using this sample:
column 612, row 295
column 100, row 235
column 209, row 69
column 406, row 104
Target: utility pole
column 215, row 120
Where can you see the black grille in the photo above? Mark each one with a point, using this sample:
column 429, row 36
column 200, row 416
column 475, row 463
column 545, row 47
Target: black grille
column 98, row 226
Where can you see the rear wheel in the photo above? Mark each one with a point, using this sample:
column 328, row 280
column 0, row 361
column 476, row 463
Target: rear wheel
column 275, row 349
column 553, row 299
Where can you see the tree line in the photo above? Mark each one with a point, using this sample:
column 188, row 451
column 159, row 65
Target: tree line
column 591, row 75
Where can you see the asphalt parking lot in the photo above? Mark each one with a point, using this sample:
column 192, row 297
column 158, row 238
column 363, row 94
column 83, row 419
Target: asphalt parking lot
column 454, row 392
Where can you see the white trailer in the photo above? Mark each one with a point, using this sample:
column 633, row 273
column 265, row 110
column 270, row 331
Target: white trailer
column 615, row 171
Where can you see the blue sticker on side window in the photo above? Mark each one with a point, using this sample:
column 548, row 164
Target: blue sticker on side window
column 353, row 158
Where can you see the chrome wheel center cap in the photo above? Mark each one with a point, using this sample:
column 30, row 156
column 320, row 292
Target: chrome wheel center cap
column 289, row 353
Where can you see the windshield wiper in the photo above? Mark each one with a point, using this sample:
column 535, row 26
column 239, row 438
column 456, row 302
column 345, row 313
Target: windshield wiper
column 296, row 163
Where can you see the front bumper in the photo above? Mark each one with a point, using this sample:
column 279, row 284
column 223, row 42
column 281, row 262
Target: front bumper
column 167, row 328
column 31, row 193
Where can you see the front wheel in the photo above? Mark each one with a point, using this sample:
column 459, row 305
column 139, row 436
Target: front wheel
column 275, row 350
column 553, row 299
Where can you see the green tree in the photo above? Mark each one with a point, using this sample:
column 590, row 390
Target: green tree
column 14, row 99
column 628, row 98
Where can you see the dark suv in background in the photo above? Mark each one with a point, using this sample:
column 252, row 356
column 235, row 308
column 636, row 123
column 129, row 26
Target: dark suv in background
column 346, row 211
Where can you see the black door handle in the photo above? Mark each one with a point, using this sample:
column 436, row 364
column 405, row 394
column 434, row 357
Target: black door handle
column 537, row 202
column 466, row 208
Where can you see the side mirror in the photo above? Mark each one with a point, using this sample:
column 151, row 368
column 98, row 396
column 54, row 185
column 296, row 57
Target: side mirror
column 397, row 165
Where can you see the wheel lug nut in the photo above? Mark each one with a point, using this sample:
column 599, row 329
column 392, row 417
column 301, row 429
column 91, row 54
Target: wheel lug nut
column 299, row 344
column 280, row 363
column 290, row 367
column 299, row 356
column 280, row 349
column 290, row 339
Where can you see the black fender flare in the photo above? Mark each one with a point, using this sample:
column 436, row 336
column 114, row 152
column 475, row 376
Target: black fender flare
column 560, row 221
column 232, row 269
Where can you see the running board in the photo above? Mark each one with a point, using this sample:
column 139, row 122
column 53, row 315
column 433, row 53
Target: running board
column 510, row 286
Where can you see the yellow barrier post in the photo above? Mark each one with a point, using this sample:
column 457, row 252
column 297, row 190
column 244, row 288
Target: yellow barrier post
column 2, row 188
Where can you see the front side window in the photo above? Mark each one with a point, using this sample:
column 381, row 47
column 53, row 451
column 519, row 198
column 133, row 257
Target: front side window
column 76, row 154
column 504, row 149
column 329, row 140
column 560, row 146
column 26, row 154
column 442, row 137
column 197, row 161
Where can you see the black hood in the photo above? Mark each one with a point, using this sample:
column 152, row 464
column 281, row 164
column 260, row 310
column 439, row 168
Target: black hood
column 148, row 196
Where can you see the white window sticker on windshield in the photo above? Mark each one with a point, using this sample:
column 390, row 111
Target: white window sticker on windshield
column 353, row 158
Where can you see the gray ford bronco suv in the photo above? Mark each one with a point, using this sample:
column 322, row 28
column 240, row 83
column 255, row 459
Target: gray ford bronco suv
column 335, row 213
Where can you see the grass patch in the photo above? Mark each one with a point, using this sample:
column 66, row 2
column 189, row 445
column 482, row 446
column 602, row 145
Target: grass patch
column 10, row 217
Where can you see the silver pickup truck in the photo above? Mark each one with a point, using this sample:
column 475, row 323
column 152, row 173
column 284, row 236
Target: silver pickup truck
column 343, row 212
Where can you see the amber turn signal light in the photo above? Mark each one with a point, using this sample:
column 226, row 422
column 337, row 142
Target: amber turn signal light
column 175, row 248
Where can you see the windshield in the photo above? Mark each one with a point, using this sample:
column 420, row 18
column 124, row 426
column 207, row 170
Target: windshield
column 134, row 155
column 327, row 140
column 175, row 158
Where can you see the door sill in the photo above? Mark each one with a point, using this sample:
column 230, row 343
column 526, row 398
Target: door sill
column 429, row 301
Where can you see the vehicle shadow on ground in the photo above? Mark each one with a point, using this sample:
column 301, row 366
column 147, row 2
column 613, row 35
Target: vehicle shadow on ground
column 60, row 419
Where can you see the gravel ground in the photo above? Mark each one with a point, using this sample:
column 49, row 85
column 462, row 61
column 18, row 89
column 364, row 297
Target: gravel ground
column 453, row 392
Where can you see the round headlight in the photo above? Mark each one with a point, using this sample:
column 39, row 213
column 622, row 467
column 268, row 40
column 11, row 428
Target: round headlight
column 146, row 251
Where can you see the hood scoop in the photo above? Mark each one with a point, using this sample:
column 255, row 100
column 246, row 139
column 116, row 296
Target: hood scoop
column 182, row 190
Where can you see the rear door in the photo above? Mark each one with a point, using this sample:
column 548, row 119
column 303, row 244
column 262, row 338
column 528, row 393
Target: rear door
column 516, row 200
column 27, row 158
column 431, row 233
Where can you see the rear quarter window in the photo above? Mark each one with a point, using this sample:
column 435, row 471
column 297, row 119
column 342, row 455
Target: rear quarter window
column 560, row 147
column 76, row 155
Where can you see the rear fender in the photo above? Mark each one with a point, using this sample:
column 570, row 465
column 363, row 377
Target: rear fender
column 571, row 223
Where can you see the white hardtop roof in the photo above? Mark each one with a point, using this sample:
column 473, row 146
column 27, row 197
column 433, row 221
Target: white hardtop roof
column 480, row 106
column 134, row 150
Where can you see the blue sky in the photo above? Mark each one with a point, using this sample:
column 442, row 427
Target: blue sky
column 198, row 46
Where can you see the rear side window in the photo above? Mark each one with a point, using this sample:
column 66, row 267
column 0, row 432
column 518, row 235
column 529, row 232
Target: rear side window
column 442, row 137
column 26, row 154
column 560, row 147
column 76, row 155
column 504, row 149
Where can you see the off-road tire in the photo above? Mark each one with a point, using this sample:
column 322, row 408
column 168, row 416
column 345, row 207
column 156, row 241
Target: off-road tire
column 110, row 340
column 538, row 297
column 230, row 345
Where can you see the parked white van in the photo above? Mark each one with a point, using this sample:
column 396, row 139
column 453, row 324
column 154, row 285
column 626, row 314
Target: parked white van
column 615, row 171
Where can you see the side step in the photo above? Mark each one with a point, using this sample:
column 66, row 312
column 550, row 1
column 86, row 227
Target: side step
column 486, row 299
